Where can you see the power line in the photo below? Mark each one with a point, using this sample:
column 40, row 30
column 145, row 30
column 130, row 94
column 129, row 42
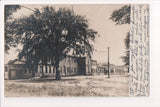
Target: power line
column 28, row 8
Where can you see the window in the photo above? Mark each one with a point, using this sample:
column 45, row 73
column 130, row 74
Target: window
column 49, row 69
column 72, row 70
column 112, row 71
column 60, row 70
column 36, row 69
column 75, row 70
column 64, row 69
column 29, row 69
column 46, row 69
column 49, row 60
column 68, row 70
column 54, row 70
column 41, row 68
column 25, row 70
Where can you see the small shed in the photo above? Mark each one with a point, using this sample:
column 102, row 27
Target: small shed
column 14, row 69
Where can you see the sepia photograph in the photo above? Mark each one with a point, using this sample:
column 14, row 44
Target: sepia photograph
column 66, row 50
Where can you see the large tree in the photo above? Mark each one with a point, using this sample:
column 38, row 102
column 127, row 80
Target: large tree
column 122, row 16
column 49, row 34
column 8, row 16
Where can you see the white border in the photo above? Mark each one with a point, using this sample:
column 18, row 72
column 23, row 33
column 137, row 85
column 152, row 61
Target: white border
column 151, row 101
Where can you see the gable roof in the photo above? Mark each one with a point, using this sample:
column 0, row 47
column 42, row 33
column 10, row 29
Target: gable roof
column 16, row 61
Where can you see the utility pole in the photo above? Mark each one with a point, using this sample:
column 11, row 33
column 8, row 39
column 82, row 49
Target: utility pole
column 108, row 63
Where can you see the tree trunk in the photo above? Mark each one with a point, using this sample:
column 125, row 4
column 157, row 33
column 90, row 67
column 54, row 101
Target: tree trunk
column 58, row 77
column 42, row 72
column 33, row 71
column 46, row 69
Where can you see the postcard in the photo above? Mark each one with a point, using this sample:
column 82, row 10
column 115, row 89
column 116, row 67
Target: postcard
column 76, row 50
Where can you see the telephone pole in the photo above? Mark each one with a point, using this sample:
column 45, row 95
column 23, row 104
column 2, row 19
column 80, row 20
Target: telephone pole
column 108, row 63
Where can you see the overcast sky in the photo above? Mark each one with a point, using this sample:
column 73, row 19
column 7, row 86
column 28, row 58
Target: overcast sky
column 111, row 35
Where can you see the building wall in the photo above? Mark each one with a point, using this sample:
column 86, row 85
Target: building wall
column 69, row 66
column 94, row 70
column 15, row 71
column 6, row 75
column 88, row 65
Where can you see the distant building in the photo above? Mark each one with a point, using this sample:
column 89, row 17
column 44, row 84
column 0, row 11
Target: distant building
column 115, row 70
column 101, row 70
column 69, row 66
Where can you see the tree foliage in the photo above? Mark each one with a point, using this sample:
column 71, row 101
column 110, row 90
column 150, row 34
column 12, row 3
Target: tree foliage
column 49, row 34
column 122, row 15
column 126, row 57
column 9, row 40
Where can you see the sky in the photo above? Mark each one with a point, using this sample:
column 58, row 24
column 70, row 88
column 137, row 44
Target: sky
column 111, row 35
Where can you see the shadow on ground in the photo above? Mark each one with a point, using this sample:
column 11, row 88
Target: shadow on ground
column 43, row 80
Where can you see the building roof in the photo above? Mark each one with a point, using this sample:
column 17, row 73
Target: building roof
column 94, row 60
column 16, row 61
column 22, row 61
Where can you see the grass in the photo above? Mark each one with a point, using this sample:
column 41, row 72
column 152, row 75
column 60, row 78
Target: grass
column 48, row 90
column 69, row 86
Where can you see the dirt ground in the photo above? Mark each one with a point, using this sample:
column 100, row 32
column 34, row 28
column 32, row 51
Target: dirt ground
column 98, row 85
